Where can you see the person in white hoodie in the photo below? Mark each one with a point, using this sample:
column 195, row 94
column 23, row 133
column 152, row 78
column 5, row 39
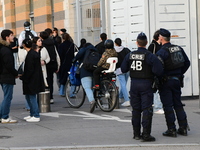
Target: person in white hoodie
column 122, row 77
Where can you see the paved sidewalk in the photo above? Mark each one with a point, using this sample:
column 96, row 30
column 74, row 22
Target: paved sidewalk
column 67, row 128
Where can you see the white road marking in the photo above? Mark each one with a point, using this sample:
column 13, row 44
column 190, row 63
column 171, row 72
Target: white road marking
column 86, row 115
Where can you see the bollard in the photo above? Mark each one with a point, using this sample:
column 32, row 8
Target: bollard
column 44, row 101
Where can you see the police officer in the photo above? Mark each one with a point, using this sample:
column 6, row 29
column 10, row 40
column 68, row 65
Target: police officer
column 143, row 65
column 176, row 63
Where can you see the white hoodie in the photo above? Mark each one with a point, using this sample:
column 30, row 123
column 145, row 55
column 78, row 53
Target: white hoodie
column 118, row 49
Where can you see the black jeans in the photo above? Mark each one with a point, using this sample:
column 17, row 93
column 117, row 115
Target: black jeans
column 50, row 73
column 96, row 75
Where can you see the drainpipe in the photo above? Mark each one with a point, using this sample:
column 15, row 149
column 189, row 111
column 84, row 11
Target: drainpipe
column 78, row 19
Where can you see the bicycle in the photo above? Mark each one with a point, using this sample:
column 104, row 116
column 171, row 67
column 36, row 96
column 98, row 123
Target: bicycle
column 106, row 96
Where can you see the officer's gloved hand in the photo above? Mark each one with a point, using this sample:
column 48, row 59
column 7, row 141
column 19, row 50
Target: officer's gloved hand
column 21, row 47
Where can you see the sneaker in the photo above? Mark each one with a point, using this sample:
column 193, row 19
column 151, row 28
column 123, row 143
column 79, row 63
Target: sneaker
column 95, row 87
column 121, row 100
column 92, row 106
column 28, row 117
column 9, row 120
column 126, row 104
column 33, row 119
column 160, row 111
column 51, row 101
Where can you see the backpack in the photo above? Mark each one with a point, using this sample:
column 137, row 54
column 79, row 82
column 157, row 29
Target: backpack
column 91, row 59
column 73, row 77
column 29, row 35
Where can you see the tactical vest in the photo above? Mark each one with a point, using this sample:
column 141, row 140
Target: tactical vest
column 138, row 66
column 175, row 59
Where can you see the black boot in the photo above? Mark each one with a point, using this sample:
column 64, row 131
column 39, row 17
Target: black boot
column 182, row 131
column 146, row 137
column 136, row 133
column 170, row 133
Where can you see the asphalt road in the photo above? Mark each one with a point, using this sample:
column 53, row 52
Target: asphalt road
column 68, row 128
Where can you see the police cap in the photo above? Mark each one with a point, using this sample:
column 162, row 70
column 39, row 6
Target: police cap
column 142, row 36
column 165, row 32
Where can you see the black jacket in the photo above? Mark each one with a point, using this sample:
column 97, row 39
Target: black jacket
column 8, row 72
column 32, row 79
column 14, row 44
column 66, row 53
column 154, row 46
column 100, row 47
column 49, row 45
column 80, row 56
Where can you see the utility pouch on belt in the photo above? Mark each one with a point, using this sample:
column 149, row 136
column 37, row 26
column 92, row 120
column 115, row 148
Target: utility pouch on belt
column 182, row 80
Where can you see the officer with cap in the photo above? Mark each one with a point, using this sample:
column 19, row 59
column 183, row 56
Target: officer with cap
column 176, row 63
column 143, row 66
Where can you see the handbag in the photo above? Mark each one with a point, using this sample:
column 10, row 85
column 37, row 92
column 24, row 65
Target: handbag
column 21, row 69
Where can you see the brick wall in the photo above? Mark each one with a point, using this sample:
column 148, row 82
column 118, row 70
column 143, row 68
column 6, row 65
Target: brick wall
column 18, row 11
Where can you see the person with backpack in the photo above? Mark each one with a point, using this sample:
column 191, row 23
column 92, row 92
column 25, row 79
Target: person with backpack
column 26, row 34
column 123, row 77
column 8, row 74
column 54, row 64
column 85, row 74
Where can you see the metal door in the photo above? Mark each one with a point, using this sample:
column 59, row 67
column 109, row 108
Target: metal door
column 176, row 17
column 90, row 20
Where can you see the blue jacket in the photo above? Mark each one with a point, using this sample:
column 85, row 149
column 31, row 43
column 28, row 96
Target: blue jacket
column 152, row 60
column 80, row 57
column 163, row 54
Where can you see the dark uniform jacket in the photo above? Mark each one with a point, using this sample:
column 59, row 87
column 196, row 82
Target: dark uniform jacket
column 151, row 60
column 7, row 70
column 32, row 79
column 164, row 54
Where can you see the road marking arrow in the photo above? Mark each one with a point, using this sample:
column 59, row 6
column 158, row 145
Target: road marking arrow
column 85, row 115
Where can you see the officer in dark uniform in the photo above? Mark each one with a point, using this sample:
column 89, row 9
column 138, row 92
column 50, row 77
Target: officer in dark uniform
column 176, row 63
column 143, row 65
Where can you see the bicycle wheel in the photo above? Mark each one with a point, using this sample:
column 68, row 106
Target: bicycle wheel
column 75, row 95
column 107, row 96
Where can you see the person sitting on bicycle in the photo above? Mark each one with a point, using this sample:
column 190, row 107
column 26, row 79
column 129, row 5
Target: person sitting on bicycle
column 102, row 65
column 85, row 75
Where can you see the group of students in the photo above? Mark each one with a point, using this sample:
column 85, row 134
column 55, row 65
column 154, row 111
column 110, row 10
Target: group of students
column 40, row 56
column 166, row 61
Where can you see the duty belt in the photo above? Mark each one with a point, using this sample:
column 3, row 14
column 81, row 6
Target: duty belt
column 172, row 78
